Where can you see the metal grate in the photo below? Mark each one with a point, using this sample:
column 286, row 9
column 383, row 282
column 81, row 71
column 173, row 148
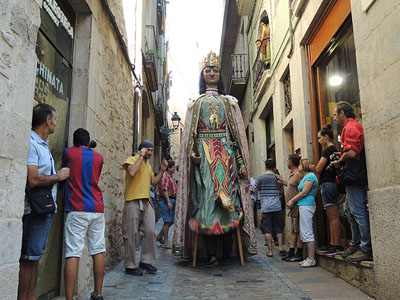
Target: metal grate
column 288, row 94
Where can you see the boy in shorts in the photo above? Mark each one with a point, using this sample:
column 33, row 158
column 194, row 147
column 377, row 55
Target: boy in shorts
column 85, row 212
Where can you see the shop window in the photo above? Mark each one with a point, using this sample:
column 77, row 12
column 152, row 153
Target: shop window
column 333, row 76
column 336, row 71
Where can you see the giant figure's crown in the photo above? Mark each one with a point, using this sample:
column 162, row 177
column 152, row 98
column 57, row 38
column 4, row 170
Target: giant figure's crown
column 211, row 60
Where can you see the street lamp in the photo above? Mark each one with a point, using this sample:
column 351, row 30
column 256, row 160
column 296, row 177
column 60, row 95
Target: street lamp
column 165, row 131
column 175, row 121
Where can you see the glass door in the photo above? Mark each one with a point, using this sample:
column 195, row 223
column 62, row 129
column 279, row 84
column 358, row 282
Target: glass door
column 337, row 79
column 54, row 49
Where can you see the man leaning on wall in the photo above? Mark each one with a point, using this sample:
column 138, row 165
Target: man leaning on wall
column 41, row 173
column 354, row 177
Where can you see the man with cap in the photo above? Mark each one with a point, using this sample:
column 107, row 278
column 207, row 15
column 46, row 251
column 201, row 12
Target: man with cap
column 138, row 215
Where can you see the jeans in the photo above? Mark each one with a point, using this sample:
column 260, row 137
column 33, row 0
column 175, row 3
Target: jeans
column 35, row 232
column 358, row 217
column 329, row 193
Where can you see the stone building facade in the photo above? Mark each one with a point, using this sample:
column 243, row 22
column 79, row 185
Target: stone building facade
column 19, row 24
column 74, row 56
column 319, row 53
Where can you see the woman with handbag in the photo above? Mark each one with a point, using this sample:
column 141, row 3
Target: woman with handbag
column 329, row 190
column 167, row 194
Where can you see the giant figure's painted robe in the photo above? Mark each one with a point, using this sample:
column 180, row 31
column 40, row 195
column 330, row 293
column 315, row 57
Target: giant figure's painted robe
column 212, row 198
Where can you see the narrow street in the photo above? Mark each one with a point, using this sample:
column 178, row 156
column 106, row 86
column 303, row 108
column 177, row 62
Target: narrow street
column 260, row 278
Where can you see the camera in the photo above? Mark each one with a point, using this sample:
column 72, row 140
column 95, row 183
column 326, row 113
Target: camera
column 92, row 144
column 333, row 157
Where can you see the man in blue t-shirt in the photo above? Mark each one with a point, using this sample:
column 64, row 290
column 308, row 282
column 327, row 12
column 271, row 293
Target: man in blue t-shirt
column 270, row 190
column 41, row 173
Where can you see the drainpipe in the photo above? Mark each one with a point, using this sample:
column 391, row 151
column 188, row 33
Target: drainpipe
column 136, row 97
column 290, row 29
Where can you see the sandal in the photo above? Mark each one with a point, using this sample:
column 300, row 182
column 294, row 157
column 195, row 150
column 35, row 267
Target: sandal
column 269, row 254
column 160, row 239
column 212, row 263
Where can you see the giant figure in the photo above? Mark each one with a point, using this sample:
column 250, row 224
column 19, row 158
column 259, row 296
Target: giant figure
column 214, row 179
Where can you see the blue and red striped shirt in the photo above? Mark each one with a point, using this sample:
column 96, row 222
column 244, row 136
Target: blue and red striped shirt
column 83, row 192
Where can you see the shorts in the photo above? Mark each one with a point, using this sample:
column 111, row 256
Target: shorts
column 167, row 215
column 306, row 223
column 294, row 225
column 329, row 193
column 272, row 222
column 78, row 225
column 35, row 231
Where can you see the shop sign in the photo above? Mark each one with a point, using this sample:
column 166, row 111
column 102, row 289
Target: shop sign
column 44, row 79
column 57, row 16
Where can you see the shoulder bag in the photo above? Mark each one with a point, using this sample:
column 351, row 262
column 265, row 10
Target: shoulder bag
column 41, row 197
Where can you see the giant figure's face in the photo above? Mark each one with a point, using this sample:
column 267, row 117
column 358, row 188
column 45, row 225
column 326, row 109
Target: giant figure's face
column 211, row 76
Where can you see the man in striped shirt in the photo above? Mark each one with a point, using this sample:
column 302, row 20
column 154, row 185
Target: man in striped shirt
column 85, row 212
column 271, row 220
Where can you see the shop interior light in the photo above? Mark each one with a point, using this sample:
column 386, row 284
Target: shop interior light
column 336, row 80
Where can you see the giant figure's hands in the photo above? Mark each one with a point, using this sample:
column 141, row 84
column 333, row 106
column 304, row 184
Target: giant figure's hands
column 196, row 159
column 243, row 172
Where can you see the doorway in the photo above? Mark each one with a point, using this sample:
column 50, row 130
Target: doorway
column 54, row 50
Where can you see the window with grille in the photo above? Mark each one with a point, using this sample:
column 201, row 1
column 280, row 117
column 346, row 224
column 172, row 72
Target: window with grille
column 287, row 93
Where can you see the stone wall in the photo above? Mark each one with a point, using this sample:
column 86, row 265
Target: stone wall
column 376, row 34
column 19, row 23
column 102, row 101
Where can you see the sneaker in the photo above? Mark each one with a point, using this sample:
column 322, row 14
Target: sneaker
column 99, row 297
column 349, row 251
column 148, row 267
column 286, row 257
column 359, row 256
column 134, row 272
column 302, row 262
column 334, row 251
column 326, row 248
column 308, row 263
column 295, row 258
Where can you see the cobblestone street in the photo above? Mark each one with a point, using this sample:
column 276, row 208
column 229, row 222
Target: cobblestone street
column 260, row 278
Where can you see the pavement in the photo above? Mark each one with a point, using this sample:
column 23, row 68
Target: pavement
column 261, row 277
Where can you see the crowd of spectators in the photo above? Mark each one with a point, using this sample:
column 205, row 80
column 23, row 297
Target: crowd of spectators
column 338, row 172
column 145, row 190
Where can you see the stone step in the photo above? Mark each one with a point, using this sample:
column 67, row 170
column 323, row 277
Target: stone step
column 358, row 274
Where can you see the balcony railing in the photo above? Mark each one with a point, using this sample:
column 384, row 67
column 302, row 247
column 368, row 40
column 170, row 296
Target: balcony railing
column 238, row 74
column 245, row 7
column 262, row 62
column 151, row 57
column 239, row 66
column 151, row 43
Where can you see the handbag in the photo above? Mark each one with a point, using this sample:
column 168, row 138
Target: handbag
column 354, row 173
column 41, row 197
column 41, row 200
column 294, row 211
